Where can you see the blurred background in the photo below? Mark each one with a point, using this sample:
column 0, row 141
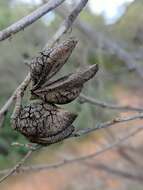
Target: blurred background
column 110, row 33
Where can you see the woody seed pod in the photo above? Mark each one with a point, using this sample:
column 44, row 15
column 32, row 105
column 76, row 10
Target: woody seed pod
column 50, row 61
column 44, row 123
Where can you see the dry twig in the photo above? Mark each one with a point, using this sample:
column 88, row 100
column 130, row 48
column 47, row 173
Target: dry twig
column 93, row 101
column 78, row 159
column 117, row 172
column 17, row 166
column 29, row 19
column 16, row 95
column 107, row 124
column 67, row 23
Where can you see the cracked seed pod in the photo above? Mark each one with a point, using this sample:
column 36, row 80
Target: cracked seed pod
column 43, row 123
column 67, row 88
column 50, row 61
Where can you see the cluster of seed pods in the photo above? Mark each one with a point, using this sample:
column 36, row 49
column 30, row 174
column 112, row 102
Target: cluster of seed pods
column 42, row 121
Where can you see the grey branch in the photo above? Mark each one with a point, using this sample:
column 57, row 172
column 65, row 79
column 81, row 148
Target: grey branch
column 118, row 172
column 67, row 23
column 107, row 124
column 78, row 159
column 93, row 101
column 16, row 95
column 29, row 19
column 19, row 95
column 17, row 166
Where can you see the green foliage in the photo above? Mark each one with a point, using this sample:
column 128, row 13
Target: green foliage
column 5, row 14
column 130, row 25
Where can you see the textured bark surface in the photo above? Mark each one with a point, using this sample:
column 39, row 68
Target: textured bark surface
column 44, row 123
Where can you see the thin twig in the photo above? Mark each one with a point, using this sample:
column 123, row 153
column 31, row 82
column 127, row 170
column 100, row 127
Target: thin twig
column 29, row 146
column 107, row 124
column 19, row 95
column 81, row 158
column 17, row 166
column 29, row 19
column 125, row 153
column 68, row 22
column 93, row 101
column 118, row 172
column 16, row 94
